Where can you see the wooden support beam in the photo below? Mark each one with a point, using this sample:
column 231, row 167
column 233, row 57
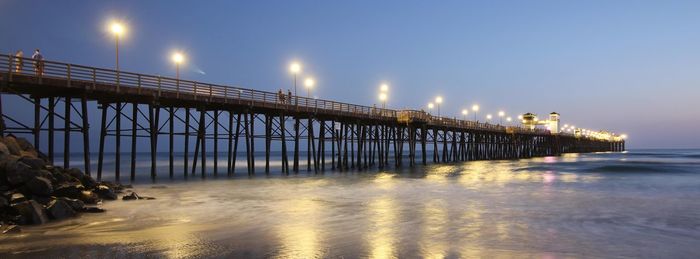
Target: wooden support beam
column 134, row 122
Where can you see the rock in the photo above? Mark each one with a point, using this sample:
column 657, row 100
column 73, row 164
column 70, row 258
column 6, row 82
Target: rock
column 32, row 212
column 70, row 190
column 18, row 172
column 12, row 229
column 105, row 192
column 93, row 210
column 40, row 186
column 59, row 209
column 17, row 198
column 89, row 197
column 34, row 163
column 131, row 196
column 30, row 154
column 3, row 149
column 75, row 172
column 43, row 200
column 88, row 182
column 12, row 145
column 134, row 196
column 76, row 204
column 4, row 203
column 24, row 144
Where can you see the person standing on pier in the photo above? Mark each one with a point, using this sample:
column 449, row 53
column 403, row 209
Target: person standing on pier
column 19, row 62
column 280, row 96
column 38, row 63
column 289, row 96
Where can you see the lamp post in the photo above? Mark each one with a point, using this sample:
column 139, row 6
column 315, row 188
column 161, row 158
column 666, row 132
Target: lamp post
column 295, row 68
column 475, row 109
column 178, row 58
column 488, row 117
column 464, row 114
column 309, row 83
column 383, row 94
column 438, row 100
column 509, row 119
column 382, row 98
column 117, row 29
column 430, row 107
column 500, row 117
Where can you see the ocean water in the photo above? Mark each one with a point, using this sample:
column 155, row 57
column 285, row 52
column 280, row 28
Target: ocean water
column 641, row 203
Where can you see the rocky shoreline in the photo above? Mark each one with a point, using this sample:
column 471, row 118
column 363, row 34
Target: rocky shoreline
column 33, row 191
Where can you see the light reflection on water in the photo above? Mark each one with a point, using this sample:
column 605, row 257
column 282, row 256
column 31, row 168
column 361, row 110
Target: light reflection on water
column 543, row 207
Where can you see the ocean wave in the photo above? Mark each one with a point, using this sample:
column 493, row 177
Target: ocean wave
column 633, row 168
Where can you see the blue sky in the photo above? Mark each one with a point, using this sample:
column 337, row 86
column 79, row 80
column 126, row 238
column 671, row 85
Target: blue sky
column 627, row 66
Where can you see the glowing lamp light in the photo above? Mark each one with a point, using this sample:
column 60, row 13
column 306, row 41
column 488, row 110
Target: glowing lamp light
column 117, row 28
column 384, row 88
column 488, row 116
column 438, row 99
column 623, row 136
column 509, row 119
column 475, row 107
column 382, row 97
column 465, row 112
column 309, row 82
column 295, row 68
column 430, row 105
column 501, row 113
column 178, row 58
column 520, row 117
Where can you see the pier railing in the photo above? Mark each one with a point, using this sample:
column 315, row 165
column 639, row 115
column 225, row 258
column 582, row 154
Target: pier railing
column 91, row 77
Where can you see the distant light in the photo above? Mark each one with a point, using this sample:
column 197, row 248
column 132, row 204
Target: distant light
column 309, row 82
column 438, row 99
column 566, row 125
column 384, row 88
column 430, row 105
column 295, row 68
column 465, row 112
column 520, row 117
column 475, row 107
column 178, row 58
column 117, row 28
column 623, row 136
column 501, row 113
column 509, row 119
column 382, row 97
column 488, row 116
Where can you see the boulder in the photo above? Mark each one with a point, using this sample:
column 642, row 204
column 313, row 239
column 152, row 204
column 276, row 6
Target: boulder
column 24, row 144
column 30, row 154
column 75, row 172
column 89, row 197
column 130, row 196
column 3, row 149
column 76, row 204
column 18, row 172
column 93, row 210
column 39, row 186
column 12, row 229
column 32, row 212
column 88, row 182
column 12, row 145
column 4, row 203
column 105, row 192
column 70, row 190
column 59, row 209
column 17, row 198
column 34, row 163
column 134, row 196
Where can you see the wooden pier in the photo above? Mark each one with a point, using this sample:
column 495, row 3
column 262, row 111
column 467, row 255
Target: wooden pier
column 339, row 136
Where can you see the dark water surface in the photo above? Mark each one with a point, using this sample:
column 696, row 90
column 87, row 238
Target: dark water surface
column 643, row 203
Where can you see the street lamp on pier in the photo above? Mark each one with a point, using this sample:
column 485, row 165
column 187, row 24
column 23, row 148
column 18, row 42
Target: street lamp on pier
column 464, row 114
column 475, row 109
column 295, row 68
column 500, row 117
column 438, row 100
column 309, row 83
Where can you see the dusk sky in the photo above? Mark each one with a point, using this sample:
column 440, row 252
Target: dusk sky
column 628, row 66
